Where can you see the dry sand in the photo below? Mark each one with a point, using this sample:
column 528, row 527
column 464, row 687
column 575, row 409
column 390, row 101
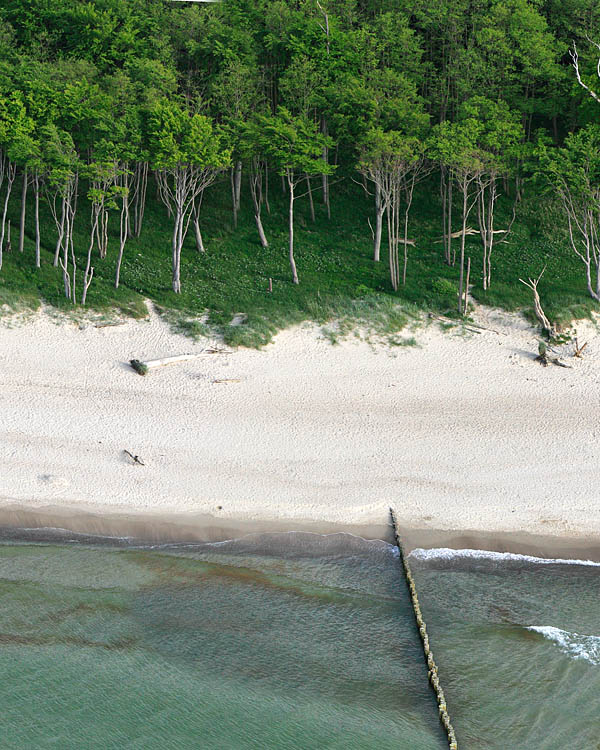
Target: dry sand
column 463, row 433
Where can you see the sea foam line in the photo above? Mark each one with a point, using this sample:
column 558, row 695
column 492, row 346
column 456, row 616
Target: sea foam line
column 577, row 646
column 445, row 553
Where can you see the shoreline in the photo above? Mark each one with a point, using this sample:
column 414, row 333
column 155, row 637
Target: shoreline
column 52, row 524
column 469, row 439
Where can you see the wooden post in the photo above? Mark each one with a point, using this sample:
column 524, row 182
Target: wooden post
column 432, row 670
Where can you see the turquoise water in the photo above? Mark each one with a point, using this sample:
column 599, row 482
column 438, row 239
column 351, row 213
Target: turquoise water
column 288, row 641
column 517, row 641
column 293, row 641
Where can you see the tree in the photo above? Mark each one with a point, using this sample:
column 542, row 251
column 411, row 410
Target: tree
column 499, row 145
column 187, row 153
column 573, row 172
column 294, row 146
column 62, row 167
column 455, row 145
column 17, row 146
column 393, row 163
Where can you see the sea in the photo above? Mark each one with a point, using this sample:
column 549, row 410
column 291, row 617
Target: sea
column 292, row 641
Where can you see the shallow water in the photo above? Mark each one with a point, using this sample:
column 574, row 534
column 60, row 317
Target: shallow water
column 293, row 641
column 517, row 641
column 281, row 641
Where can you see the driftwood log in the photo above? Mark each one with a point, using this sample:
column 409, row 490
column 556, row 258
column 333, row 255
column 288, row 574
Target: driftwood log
column 135, row 459
column 469, row 231
column 142, row 367
column 544, row 359
column 579, row 349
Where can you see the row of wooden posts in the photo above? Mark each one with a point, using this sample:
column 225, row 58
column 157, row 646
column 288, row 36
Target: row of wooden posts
column 432, row 670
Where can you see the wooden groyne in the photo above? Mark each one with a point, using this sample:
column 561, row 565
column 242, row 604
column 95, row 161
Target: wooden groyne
column 432, row 670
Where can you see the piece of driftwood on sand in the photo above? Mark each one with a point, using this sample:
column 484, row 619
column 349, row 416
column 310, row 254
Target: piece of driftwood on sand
column 143, row 366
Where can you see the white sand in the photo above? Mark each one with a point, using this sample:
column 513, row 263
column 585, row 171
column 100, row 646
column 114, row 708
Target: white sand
column 460, row 433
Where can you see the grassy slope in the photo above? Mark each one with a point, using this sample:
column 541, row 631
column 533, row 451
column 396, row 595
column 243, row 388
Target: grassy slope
column 338, row 279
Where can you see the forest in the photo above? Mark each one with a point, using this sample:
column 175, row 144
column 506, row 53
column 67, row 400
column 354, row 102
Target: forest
column 275, row 161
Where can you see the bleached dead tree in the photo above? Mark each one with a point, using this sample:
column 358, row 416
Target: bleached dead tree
column 575, row 61
column 537, row 305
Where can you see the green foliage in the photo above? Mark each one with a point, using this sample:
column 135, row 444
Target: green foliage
column 89, row 90
column 290, row 142
column 178, row 137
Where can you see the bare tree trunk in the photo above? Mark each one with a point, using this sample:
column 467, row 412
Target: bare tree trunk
column 140, row 188
column 310, row 199
column 197, row 233
column 379, row 211
column 393, row 222
column 11, row 173
column 124, row 233
column 451, row 254
column 256, row 180
column 462, row 250
column 290, row 179
column 444, row 196
column 267, row 204
column 238, row 184
column 36, row 184
column 61, row 231
column 177, row 239
column 89, row 270
column 235, row 178
column 537, row 305
column 23, row 209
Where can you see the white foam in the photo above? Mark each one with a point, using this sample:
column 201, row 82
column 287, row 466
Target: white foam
column 577, row 646
column 444, row 553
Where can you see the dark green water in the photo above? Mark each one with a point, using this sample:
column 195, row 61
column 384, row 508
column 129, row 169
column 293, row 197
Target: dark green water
column 507, row 685
column 289, row 641
column 293, row 641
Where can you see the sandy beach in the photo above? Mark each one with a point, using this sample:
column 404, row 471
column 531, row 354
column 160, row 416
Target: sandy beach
column 463, row 434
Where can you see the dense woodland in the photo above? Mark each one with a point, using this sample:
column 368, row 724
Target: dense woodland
column 356, row 159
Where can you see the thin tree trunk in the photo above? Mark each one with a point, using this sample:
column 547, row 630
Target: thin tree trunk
column 379, row 211
column 61, row 231
column 444, row 194
column 462, row 250
column 177, row 232
column 11, row 173
column 197, row 233
column 267, row 204
column 291, row 229
column 36, row 183
column 405, row 246
column 23, row 209
column 140, row 199
column 310, row 199
column 451, row 258
column 233, row 200
column 238, row 184
column 256, row 171
column 89, row 271
column 124, row 233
